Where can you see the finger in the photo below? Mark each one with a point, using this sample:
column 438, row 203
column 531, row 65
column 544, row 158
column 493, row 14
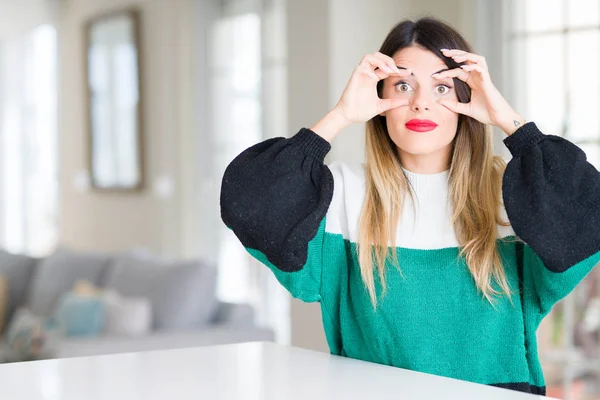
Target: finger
column 402, row 72
column 389, row 104
column 477, row 68
column 368, row 71
column 452, row 52
column 375, row 62
column 380, row 74
column 472, row 67
column 459, row 73
column 389, row 61
column 377, row 73
column 457, row 107
column 470, row 59
column 463, row 56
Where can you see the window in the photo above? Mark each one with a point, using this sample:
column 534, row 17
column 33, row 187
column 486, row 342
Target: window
column 28, row 148
column 555, row 53
column 556, row 47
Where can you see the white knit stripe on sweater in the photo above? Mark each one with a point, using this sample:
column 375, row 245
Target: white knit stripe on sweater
column 431, row 229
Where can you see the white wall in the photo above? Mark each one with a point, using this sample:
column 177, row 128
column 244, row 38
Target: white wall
column 21, row 16
column 111, row 221
column 309, row 78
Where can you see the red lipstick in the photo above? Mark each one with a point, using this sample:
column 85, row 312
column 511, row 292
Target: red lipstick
column 421, row 125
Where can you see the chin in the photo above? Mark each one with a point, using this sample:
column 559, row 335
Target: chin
column 416, row 151
column 421, row 146
column 417, row 145
column 422, row 142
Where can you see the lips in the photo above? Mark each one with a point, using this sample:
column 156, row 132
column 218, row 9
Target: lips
column 421, row 125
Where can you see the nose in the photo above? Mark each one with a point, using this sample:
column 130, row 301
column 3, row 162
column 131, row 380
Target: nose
column 421, row 101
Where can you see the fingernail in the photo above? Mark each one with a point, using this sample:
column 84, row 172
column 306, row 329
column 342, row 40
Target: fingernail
column 444, row 50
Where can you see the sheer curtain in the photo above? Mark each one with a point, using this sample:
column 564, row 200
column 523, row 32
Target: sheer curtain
column 28, row 136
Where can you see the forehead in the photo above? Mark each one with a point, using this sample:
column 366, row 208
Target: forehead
column 418, row 59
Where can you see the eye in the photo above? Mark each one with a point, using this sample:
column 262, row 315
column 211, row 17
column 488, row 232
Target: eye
column 442, row 89
column 403, row 86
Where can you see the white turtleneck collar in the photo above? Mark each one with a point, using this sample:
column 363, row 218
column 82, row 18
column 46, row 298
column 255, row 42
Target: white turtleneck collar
column 428, row 185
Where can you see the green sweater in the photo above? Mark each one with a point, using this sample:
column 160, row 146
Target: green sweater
column 300, row 218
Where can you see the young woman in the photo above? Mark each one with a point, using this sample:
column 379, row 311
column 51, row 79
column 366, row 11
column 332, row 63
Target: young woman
column 411, row 255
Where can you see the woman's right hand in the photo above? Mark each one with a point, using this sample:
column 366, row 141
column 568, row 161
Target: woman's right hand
column 359, row 101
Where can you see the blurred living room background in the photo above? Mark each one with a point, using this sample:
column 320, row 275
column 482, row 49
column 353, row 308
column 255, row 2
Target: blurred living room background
column 118, row 118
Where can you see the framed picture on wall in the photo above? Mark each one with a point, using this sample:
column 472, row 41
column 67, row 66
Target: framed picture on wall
column 114, row 101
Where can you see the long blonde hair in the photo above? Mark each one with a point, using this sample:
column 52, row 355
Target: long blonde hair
column 475, row 180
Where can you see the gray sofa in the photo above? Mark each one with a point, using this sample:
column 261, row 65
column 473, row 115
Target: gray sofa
column 185, row 310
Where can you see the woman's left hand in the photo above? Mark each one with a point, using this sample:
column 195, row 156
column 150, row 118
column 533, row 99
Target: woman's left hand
column 487, row 105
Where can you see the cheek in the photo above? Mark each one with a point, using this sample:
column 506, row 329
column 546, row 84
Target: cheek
column 448, row 118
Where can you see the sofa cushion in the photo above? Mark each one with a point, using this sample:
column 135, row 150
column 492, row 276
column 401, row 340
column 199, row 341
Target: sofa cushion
column 182, row 293
column 234, row 315
column 57, row 273
column 18, row 270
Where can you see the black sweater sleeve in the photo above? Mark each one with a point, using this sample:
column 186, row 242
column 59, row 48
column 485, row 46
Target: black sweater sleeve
column 275, row 195
column 552, row 197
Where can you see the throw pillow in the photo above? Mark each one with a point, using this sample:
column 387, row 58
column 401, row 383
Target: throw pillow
column 80, row 315
column 30, row 337
column 127, row 316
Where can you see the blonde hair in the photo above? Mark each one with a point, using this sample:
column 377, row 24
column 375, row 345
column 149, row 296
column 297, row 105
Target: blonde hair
column 475, row 184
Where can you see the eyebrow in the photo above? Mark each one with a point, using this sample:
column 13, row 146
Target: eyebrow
column 412, row 74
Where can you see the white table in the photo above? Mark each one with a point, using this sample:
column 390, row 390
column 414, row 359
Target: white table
column 239, row 371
